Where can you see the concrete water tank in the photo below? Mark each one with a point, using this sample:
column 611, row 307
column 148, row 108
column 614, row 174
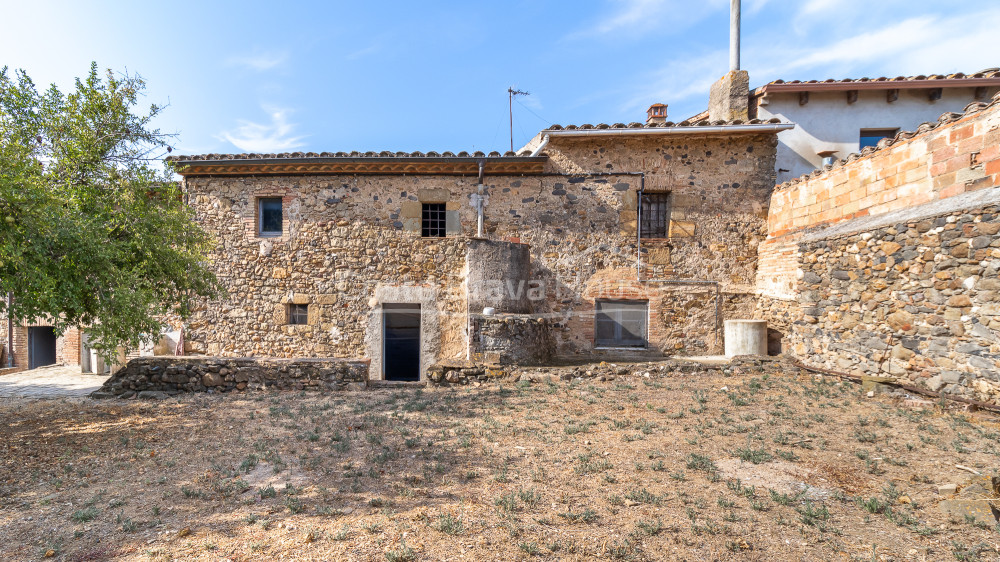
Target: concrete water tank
column 746, row 337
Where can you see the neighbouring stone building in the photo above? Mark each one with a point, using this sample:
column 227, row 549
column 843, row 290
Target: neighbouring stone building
column 35, row 344
column 834, row 118
column 621, row 240
column 888, row 261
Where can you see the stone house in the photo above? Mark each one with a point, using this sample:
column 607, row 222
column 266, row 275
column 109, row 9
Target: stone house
column 592, row 241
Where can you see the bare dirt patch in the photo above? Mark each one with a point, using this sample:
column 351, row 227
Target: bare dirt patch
column 777, row 466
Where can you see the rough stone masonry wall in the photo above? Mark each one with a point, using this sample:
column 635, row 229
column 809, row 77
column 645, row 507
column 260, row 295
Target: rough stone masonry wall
column 153, row 376
column 928, row 287
column 719, row 191
column 898, row 241
column 351, row 238
column 511, row 339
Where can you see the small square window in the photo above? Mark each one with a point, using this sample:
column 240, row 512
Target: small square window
column 298, row 314
column 269, row 221
column 620, row 323
column 870, row 137
column 655, row 215
column 432, row 223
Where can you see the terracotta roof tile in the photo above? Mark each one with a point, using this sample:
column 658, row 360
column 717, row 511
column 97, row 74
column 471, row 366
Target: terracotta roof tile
column 327, row 155
column 669, row 124
column 987, row 73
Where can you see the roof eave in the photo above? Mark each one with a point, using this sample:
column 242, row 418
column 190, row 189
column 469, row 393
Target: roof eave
column 360, row 165
column 663, row 131
column 840, row 86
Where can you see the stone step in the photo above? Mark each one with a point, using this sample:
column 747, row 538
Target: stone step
column 396, row 384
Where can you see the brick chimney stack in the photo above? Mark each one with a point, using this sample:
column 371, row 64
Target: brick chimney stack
column 657, row 113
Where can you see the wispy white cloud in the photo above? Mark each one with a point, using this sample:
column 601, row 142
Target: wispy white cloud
column 364, row 52
column 276, row 136
column 260, row 60
column 638, row 17
column 918, row 45
column 681, row 79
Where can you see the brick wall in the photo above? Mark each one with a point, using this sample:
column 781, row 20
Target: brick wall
column 961, row 154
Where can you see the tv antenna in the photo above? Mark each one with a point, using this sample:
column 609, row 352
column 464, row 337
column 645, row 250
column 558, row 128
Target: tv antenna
column 511, row 92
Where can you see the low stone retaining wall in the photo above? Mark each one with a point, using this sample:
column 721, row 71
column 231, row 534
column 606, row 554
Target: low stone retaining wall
column 462, row 372
column 174, row 375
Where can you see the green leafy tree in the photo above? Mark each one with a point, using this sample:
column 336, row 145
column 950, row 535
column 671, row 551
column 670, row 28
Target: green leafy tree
column 92, row 232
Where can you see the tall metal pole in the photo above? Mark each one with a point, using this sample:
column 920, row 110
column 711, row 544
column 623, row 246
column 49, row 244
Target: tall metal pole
column 734, row 35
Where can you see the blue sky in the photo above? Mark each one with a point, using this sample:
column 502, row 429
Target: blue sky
column 330, row 76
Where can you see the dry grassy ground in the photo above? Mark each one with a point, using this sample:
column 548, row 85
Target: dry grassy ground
column 652, row 465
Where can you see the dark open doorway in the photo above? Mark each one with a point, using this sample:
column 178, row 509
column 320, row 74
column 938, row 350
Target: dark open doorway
column 41, row 346
column 401, row 342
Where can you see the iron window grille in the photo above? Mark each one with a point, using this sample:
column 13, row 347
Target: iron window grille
column 433, row 221
column 620, row 323
column 269, row 220
column 298, row 314
column 655, row 215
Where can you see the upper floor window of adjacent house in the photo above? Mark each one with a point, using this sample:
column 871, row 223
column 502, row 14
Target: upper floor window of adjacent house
column 620, row 323
column 269, row 216
column 654, row 215
column 870, row 137
column 298, row 314
column 432, row 220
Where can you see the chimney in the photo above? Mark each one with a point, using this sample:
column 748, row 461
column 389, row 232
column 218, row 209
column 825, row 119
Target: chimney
column 657, row 113
column 729, row 98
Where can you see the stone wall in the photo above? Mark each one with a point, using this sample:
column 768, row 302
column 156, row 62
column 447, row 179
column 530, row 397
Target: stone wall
column 917, row 300
column 158, row 376
column 959, row 153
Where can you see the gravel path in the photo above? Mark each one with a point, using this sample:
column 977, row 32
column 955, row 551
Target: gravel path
column 50, row 382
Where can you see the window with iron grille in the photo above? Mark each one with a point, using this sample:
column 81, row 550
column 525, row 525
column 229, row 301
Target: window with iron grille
column 432, row 222
column 620, row 323
column 298, row 314
column 655, row 215
column 269, row 216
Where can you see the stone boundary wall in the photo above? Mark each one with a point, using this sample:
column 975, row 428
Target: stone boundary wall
column 167, row 375
column 919, row 300
column 888, row 261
